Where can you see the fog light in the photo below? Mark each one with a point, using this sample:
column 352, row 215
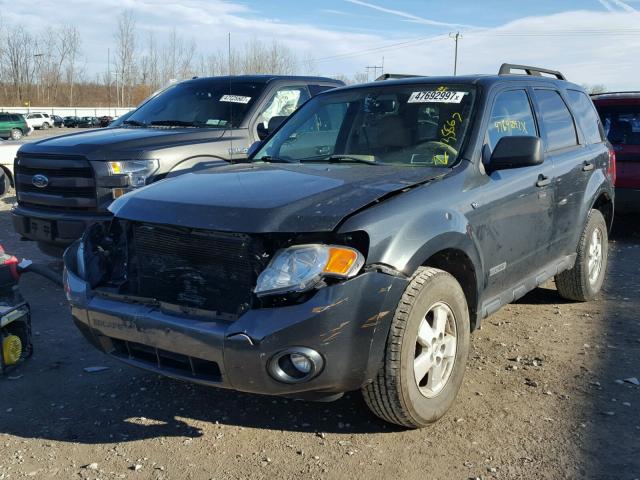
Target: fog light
column 301, row 362
column 295, row 364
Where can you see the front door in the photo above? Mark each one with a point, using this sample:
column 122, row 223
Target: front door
column 512, row 211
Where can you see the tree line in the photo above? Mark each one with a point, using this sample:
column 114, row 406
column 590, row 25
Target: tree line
column 48, row 67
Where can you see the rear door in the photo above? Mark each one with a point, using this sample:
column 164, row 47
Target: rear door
column 574, row 162
column 5, row 125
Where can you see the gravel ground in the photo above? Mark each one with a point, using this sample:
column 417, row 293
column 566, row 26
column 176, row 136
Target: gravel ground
column 541, row 399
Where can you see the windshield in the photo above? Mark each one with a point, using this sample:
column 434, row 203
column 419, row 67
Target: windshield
column 206, row 103
column 417, row 125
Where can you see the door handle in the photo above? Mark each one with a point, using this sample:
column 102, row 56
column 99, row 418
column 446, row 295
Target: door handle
column 587, row 166
column 543, row 181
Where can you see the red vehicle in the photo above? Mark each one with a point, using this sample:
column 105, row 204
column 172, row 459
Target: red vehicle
column 620, row 114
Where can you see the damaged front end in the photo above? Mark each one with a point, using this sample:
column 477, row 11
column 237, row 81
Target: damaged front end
column 286, row 314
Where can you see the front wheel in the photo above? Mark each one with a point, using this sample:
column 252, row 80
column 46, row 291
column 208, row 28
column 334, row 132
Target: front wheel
column 426, row 352
column 45, row 126
column 583, row 282
column 16, row 134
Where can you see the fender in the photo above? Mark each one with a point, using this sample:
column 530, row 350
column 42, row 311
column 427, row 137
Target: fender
column 597, row 185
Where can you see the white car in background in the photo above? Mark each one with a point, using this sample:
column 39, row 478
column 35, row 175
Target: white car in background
column 8, row 152
column 39, row 120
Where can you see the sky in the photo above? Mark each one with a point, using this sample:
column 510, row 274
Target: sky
column 590, row 41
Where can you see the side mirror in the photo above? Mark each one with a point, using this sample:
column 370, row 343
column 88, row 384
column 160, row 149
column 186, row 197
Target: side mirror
column 253, row 148
column 516, row 152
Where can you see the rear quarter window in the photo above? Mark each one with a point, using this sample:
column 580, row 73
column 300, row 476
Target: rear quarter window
column 586, row 115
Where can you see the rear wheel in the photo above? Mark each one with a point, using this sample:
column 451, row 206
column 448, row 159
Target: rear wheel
column 45, row 125
column 585, row 279
column 426, row 352
column 16, row 134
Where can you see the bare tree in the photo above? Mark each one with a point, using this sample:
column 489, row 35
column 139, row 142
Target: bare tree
column 18, row 61
column 70, row 59
column 125, row 38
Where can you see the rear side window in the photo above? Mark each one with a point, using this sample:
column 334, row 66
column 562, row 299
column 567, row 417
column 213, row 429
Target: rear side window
column 5, row 118
column 17, row 118
column 557, row 120
column 586, row 115
column 621, row 123
column 511, row 116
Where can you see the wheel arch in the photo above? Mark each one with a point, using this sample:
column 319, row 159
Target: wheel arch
column 604, row 203
column 7, row 172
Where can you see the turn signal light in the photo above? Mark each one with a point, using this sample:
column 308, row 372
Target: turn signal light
column 340, row 261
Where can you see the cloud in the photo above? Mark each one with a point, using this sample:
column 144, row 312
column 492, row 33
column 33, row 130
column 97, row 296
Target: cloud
column 406, row 15
column 592, row 47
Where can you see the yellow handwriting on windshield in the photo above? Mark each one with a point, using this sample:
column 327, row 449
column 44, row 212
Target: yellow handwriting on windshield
column 449, row 129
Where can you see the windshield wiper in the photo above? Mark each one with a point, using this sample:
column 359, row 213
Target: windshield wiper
column 175, row 123
column 270, row 159
column 134, row 123
column 343, row 158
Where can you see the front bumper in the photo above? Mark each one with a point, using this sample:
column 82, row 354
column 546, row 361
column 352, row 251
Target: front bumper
column 346, row 323
column 56, row 228
column 627, row 200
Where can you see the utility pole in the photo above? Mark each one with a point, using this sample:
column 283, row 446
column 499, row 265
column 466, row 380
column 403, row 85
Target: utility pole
column 375, row 70
column 455, row 37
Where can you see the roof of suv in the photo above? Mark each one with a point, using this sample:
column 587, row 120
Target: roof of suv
column 615, row 95
column 268, row 78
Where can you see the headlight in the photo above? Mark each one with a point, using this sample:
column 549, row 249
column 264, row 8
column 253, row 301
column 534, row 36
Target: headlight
column 301, row 268
column 137, row 170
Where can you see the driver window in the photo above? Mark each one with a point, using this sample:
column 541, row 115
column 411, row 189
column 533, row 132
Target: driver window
column 511, row 116
column 283, row 103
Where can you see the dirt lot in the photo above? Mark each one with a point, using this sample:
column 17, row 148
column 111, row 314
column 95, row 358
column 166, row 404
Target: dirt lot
column 540, row 400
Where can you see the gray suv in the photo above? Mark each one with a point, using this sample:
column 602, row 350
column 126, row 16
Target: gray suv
column 66, row 183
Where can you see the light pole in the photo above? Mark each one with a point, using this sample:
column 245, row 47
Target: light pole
column 38, row 56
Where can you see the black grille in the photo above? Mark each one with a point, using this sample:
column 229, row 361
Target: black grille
column 205, row 270
column 71, row 183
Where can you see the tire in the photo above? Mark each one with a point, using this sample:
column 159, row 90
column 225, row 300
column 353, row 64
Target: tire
column 51, row 250
column 396, row 395
column 5, row 184
column 45, row 126
column 16, row 134
column 583, row 282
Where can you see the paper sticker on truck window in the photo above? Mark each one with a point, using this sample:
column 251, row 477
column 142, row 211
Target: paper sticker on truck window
column 436, row 96
column 235, row 99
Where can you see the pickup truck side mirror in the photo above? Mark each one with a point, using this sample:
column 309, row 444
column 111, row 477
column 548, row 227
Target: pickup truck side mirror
column 253, row 148
column 516, row 152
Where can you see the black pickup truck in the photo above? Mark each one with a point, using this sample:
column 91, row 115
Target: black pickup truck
column 65, row 183
column 360, row 245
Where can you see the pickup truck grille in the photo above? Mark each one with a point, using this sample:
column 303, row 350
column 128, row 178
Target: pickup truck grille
column 71, row 184
column 205, row 270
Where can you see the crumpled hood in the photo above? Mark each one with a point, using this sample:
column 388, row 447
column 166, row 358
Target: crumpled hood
column 263, row 198
column 119, row 143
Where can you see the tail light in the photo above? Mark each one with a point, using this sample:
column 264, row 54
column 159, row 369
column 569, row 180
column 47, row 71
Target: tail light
column 612, row 166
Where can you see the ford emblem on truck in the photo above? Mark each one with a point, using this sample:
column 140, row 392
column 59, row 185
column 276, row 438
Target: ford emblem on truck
column 40, row 181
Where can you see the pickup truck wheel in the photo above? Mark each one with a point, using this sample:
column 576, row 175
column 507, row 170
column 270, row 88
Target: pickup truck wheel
column 426, row 352
column 16, row 134
column 584, row 280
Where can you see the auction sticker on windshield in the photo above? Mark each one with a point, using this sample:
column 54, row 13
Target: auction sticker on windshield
column 235, row 99
column 436, row 96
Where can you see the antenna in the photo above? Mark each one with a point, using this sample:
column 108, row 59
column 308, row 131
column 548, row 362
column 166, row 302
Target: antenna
column 231, row 152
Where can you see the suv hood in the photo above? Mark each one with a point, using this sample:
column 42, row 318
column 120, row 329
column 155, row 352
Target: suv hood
column 120, row 143
column 268, row 198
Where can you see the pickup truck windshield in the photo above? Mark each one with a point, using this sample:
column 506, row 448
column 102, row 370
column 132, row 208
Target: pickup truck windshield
column 415, row 125
column 205, row 103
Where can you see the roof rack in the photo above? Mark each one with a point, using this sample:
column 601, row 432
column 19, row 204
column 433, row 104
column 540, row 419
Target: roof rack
column 390, row 76
column 505, row 69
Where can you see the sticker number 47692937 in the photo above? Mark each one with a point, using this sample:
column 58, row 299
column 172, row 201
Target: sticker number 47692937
column 435, row 96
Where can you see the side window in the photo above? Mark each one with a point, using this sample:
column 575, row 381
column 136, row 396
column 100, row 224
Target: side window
column 4, row 118
column 283, row 103
column 511, row 116
column 557, row 121
column 586, row 115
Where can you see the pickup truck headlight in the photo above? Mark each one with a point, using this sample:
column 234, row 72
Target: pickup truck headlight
column 302, row 267
column 138, row 171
